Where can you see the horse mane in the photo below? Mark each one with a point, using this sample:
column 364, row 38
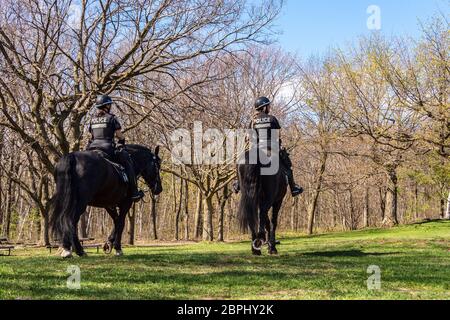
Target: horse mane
column 137, row 148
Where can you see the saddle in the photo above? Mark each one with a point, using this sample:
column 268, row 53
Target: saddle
column 118, row 167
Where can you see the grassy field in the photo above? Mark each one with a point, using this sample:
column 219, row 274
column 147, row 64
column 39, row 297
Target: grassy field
column 414, row 262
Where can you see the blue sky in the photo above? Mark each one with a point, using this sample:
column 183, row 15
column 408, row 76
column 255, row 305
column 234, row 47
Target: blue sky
column 312, row 26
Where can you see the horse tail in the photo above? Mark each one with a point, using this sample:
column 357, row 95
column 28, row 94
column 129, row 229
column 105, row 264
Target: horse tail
column 64, row 202
column 250, row 192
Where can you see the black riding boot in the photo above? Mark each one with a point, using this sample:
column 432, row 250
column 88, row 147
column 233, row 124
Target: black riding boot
column 125, row 160
column 295, row 189
column 236, row 186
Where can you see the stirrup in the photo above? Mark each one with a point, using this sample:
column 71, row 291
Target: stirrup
column 138, row 196
column 296, row 191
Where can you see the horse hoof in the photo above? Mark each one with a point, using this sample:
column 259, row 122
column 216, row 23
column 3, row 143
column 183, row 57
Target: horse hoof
column 257, row 252
column 273, row 252
column 107, row 247
column 65, row 254
column 119, row 253
column 82, row 254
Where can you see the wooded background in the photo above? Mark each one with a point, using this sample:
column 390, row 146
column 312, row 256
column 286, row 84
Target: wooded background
column 368, row 125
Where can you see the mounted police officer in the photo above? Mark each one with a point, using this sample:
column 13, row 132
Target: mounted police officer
column 263, row 120
column 104, row 127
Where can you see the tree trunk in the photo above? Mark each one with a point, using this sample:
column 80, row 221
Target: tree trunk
column 22, row 225
column 45, row 235
column 208, row 219
column 383, row 196
column 139, row 221
column 352, row 211
column 416, row 201
column 132, row 226
column 176, row 212
column 222, row 204
column 9, row 204
column 390, row 218
column 335, row 208
column 84, row 224
column 198, row 215
column 344, row 222
column 153, row 216
column 178, row 208
column 447, row 216
column 312, row 209
column 186, row 210
column 366, row 209
column 316, row 192
column 229, row 211
column 294, row 216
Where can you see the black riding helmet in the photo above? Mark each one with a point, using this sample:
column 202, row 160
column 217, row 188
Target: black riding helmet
column 103, row 101
column 261, row 102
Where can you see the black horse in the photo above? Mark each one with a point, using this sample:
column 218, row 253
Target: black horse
column 259, row 193
column 86, row 178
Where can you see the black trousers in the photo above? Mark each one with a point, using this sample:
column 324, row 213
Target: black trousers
column 287, row 166
column 103, row 145
column 120, row 156
column 123, row 157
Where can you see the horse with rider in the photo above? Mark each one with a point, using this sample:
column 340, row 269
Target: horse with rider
column 104, row 175
column 261, row 192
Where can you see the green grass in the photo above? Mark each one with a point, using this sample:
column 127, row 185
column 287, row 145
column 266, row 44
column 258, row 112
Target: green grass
column 414, row 262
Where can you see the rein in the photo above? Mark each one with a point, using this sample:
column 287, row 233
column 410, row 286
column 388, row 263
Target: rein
column 148, row 188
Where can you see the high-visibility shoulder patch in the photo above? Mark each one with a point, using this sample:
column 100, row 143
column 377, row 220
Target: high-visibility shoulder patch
column 262, row 126
column 99, row 126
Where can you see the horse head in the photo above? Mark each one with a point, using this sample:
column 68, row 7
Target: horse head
column 152, row 174
column 148, row 167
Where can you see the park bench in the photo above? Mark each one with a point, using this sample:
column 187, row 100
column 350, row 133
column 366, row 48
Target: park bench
column 54, row 245
column 91, row 245
column 82, row 241
column 5, row 246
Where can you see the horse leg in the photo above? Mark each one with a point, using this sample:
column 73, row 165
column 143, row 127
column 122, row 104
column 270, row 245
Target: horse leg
column 79, row 250
column 66, row 247
column 263, row 222
column 273, row 226
column 108, row 246
column 267, row 230
column 73, row 242
column 259, row 238
column 123, row 211
column 255, row 251
column 118, row 237
column 76, row 242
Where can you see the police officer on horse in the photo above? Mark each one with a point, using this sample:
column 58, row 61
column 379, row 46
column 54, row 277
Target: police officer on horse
column 263, row 120
column 104, row 127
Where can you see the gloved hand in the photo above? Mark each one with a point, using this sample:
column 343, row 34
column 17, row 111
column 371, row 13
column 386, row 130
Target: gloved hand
column 121, row 144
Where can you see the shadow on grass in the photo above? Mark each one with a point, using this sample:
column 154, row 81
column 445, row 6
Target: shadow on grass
column 348, row 253
column 181, row 276
column 438, row 223
column 428, row 221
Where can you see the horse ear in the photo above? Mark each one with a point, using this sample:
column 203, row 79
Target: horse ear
column 157, row 151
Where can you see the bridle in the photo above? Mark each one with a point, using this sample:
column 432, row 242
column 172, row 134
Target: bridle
column 152, row 186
